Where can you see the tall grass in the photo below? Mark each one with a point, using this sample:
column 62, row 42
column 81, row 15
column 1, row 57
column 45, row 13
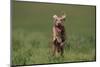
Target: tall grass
column 33, row 48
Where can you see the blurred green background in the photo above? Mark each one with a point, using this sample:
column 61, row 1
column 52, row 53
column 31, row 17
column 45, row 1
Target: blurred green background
column 32, row 32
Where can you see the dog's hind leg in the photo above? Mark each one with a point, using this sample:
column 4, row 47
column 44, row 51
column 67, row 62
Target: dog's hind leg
column 62, row 49
column 54, row 50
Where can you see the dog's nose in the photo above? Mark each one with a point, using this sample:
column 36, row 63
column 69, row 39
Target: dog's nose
column 59, row 24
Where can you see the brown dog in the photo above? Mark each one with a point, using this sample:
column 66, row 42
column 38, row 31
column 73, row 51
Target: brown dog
column 58, row 34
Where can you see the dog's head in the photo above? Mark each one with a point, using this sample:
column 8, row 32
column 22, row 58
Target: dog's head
column 58, row 20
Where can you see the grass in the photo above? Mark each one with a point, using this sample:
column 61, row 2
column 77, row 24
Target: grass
column 32, row 32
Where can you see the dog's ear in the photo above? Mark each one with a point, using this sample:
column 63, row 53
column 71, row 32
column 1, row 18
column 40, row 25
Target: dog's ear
column 54, row 16
column 63, row 16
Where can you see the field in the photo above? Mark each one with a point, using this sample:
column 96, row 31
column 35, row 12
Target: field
column 32, row 33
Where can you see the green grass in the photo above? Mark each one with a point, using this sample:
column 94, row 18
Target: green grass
column 32, row 33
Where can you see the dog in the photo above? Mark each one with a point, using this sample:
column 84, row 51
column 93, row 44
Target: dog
column 58, row 34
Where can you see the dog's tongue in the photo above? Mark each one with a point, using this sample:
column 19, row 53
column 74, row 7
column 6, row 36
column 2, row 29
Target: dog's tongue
column 59, row 30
